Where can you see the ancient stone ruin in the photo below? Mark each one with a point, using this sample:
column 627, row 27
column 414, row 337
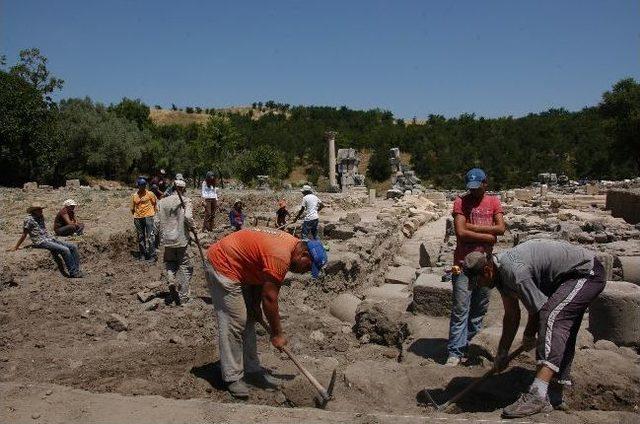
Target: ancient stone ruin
column 404, row 180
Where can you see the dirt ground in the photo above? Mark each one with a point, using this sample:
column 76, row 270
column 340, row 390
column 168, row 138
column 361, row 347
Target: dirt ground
column 54, row 334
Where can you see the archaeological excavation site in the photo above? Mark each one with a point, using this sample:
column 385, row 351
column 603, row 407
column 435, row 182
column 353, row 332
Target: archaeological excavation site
column 110, row 347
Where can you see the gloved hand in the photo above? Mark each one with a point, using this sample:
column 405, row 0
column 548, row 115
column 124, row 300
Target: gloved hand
column 500, row 362
column 529, row 342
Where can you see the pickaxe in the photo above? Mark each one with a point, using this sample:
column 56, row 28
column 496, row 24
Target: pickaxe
column 470, row 387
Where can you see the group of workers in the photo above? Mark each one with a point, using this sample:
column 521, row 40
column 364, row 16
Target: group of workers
column 555, row 281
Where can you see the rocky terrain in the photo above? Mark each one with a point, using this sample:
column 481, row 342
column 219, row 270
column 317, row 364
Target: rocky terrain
column 379, row 315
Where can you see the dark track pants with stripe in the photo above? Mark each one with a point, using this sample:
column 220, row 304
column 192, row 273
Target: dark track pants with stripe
column 560, row 320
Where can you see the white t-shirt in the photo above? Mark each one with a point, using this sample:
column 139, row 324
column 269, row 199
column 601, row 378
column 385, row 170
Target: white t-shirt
column 310, row 204
column 209, row 192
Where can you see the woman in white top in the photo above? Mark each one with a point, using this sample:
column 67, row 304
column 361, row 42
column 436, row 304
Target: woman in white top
column 210, row 197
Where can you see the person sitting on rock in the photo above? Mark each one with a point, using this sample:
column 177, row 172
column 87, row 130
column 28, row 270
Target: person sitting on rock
column 66, row 223
column 245, row 271
column 556, row 281
column 236, row 217
column 478, row 220
column 34, row 227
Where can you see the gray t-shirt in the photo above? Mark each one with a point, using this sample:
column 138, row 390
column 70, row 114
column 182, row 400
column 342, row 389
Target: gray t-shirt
column 530, row 269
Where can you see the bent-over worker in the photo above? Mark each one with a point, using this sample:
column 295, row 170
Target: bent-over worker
column 245, row 270
column 556, row 281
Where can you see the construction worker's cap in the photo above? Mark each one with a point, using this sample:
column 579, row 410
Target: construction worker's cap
column 306, row 189
column 180, row 183
column 69, row 202
column 474, row 178
column 34, row 206
column 318, row 256
column 141, row 182
column 473, row 267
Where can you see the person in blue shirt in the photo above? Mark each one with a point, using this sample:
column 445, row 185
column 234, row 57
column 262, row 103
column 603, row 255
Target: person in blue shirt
column 236, row 217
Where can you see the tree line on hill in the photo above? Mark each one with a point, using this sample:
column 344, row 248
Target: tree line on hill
column 48, row 142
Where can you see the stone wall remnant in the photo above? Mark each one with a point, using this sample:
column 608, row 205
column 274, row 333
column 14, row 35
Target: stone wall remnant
column 624, row 204
column 615, row 314
column 348, row 173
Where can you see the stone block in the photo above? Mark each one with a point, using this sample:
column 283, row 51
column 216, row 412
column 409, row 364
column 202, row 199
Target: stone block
column 351, row 218
column 523, row 194
column 425, row 257
column 630, row 268
column 30, row 186
column 615, row 314
column 117, row 323
column 339, row 232
column 72, row 184
column 395, row 292
column 344, row 307
column 432, row 296
column 607, row 262
column 381, row 322
column 591, row 189
column 400, row 275
column 624, row 204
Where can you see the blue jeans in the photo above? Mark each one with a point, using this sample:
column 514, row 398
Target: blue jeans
column 310, row 227
column 469, row 308
column 146, row 238
column 68, row 251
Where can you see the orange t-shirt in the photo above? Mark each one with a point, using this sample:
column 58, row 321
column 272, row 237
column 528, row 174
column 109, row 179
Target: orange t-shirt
column 254, row 255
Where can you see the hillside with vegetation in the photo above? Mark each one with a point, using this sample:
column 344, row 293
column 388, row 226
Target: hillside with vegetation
column 47, row 141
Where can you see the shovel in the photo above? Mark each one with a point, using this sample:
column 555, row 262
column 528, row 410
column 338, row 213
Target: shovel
column 470, row 387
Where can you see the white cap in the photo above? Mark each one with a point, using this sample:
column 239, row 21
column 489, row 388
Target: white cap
column 69, row 202
column 180, row 183
column 305, row 188
column 179, row 176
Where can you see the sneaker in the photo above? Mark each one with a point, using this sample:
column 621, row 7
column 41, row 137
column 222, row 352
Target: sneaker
column 238, row 389
column 262, row 380
column 527, row 404
column 452, row 361
column 78, row 274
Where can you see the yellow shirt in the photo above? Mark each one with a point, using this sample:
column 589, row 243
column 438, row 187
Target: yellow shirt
column 145, row 206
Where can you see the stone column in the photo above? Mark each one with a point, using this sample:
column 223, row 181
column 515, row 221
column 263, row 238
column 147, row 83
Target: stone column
column 330, row 136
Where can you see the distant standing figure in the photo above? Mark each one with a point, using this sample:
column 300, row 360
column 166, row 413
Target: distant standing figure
column 236, row 217
column 310, row 206
column 66, row 223
column 210, row 197
column 143, row 207
column 173, row 222
column 34, row 227
column 159, row 184
column 171, row 189
column 282, row 213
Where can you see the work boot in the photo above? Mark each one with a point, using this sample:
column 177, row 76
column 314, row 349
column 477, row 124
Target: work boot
column 78, row 274
column 262, row 380
column 238, row 389
column 527, row 404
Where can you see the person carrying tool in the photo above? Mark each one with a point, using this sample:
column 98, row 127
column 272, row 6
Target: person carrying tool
column 34, row 227
column 556, row 281
column 245, row 271
column 143, row 207
column 210, row 198
column 478, row 220
column 66, row 223
column 310, row 206
column 173, row 222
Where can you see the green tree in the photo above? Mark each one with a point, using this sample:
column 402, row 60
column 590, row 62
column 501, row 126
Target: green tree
column 133, row 110
column 262, row 160
column 32, row 67
column 379, row 168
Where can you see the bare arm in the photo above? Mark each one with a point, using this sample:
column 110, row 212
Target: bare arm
column 66, row 219
column 299, row 213
column 497, row 229
column 467, row 235
column 320, row 206
column 270, row 291
column 510, row 322
column 22, row 237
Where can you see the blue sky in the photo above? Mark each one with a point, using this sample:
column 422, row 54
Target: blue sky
column 492, row 58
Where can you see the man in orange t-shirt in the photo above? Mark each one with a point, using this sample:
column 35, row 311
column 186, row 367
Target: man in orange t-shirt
column 245, row 271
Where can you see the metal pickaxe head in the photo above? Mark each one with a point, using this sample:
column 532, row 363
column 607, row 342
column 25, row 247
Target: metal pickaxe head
column 326, row 397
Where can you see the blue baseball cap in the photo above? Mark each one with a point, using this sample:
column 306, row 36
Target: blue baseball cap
column 474, row 178
column 141, row 182
column 318, row 256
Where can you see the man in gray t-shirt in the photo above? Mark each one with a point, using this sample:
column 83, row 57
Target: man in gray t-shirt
column 556, row 281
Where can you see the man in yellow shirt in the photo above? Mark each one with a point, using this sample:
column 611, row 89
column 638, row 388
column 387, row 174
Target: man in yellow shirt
column 143, row 207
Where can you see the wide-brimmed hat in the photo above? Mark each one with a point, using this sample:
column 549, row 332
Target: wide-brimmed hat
column 306, row 189
column 70, row 202
column 34, row 206
column 180, row 183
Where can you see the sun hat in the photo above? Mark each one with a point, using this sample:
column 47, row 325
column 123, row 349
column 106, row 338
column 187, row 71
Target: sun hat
column 34, row 206
column 179, row 176
column 69, row 202
column 318, row 256
column 180, row 183
column 306, row 189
